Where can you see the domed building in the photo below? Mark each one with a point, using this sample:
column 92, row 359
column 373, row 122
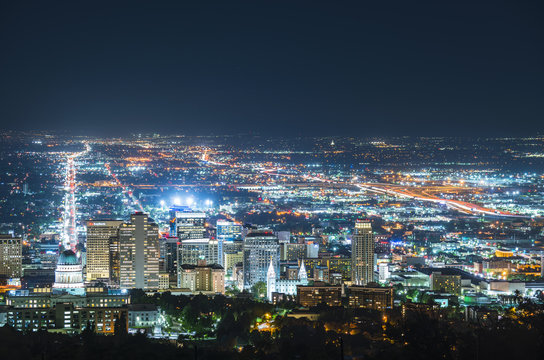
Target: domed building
column 69, row 274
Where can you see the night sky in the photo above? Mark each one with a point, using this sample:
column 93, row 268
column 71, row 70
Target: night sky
column 360, row 68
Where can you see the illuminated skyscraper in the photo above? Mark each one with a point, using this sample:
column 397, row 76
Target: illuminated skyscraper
column 260, row 248
column 100, row 235
column 10, row 256
column 186, row 224
column 139, row 253
column 190, row 251
column 362, row 253
column 228, row 230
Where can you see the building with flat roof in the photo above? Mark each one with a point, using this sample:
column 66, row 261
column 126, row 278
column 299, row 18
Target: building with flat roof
column 202, row 278
column 260, row 247
column 370, row 297
column 100, row 234
column 312, row 295
column 11, row 249
column 362, row 253
column 139, row 253
column 67, row 318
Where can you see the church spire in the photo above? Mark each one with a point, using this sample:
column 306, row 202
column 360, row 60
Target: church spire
column 302, row 274
column 270, row 280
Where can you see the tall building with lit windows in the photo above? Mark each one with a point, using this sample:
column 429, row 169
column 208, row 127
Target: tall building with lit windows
column 187, row 224
column 139, row 253
column 10, row 256
column 100, row 236
column 261, row 247
column 362, row 253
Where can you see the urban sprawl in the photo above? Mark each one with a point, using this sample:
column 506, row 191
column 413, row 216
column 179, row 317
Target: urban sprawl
column 260, row 247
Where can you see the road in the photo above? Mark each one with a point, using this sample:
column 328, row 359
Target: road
column 394, row 190
column 69, row 234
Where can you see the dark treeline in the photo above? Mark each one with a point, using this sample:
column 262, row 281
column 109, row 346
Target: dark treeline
column 225, row 328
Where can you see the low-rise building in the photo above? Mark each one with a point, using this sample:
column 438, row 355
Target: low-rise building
column 142, row 315
column 44, row 298
column 66, row 317
column 312, row 295
column 202, row 278
column 446, row 283
column 371, row 297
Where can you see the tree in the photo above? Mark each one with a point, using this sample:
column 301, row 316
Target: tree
column 259, row 289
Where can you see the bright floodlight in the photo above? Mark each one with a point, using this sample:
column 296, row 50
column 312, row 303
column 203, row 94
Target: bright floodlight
column 177, row 201
column 190, row 201
column 162, row 202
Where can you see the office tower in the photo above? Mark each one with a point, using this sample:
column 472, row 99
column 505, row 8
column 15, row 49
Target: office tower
column 115, row 260
column 292, row 252
column 10, row 256
column 190, row 251
column 362, row 253
column 186, row 224
column 283, row 236
column 228, row 230
column 100, row 234
column 260, row 247
column 139, row 253
column 169, row 255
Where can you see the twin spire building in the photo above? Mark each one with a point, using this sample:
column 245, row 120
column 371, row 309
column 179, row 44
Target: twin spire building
column 284, row 286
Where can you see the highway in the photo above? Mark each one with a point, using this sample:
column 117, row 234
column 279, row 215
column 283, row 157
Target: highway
column 389, row 189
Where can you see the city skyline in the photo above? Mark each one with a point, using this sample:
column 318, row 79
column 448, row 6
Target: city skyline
column 272, row 180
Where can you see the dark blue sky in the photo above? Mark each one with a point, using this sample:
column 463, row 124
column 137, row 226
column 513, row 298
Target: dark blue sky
column 316, row 68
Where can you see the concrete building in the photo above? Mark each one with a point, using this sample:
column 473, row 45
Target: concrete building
column 191, row 251
column 187, row 224
column 45, row 298
column 142, row 316
column 202, row 278
column 66, row 318
column 260, row 247
column 312, row 295
column 371, row 297
column 139, row 253
column 10, row 256
column 100, row 235
column 228, row 230
column 362, row 253
column 450, row 284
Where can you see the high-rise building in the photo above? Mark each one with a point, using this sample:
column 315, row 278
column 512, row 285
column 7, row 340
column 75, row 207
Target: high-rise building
column 187, row 224
column 228, row 230
column 169, row 256
column 260, row 247
column 191, row 251
column 139, row 253
column 115, row 261
column 362, row 253
column 100, row 235
column 10, row 256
